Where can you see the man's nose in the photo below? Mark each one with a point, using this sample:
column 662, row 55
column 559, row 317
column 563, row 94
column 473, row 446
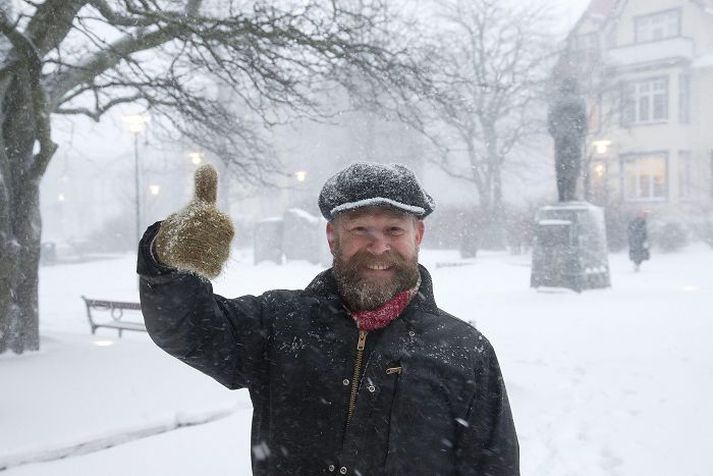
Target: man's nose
column 379, row 243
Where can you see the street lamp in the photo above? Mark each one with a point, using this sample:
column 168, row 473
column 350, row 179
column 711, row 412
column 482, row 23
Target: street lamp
column 601, row 146
column 301, row 175
column 136, row 123
column 154, row 189
column 196, row 157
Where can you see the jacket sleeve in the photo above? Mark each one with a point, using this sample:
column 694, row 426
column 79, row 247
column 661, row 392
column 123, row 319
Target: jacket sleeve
column 223, row 338
column 487, row 444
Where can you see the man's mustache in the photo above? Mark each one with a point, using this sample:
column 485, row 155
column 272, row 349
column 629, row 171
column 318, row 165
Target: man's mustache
column 363, row 259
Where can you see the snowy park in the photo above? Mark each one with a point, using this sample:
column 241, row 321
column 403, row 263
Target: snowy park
column 603, row 383
column 550, row 163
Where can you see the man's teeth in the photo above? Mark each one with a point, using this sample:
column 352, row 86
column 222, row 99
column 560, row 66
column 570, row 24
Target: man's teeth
column 378, row 267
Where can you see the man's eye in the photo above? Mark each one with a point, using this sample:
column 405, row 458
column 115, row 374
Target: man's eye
column 396, row 230
column 359, row 229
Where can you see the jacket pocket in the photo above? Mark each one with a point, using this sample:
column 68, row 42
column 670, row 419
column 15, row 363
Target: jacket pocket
column 394, row 375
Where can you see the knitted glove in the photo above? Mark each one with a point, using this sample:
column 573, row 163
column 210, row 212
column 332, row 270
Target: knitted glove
column 197, row 239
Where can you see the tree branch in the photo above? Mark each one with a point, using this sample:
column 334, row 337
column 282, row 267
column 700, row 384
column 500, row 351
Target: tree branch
column 118, row 19
column 101, row 61
column 96, row 113
column 51, row 23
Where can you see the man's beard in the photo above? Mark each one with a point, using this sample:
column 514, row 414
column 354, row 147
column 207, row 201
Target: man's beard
column 365, row 293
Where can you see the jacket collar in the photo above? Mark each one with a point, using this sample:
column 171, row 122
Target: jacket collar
column 325, row 285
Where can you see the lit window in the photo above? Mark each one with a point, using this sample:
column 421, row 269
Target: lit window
column 645, row 177
column 658, row 26
column 645, row 101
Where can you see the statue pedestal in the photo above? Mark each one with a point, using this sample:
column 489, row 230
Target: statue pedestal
column 570, row 247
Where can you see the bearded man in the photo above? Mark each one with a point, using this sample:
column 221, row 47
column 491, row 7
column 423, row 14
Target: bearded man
column 360, row 373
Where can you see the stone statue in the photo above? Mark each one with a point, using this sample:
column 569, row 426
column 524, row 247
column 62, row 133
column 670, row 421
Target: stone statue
column 567, row 123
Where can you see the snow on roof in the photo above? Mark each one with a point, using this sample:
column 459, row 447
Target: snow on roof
column 305, row 215
column 552, row 221
column 574, row 205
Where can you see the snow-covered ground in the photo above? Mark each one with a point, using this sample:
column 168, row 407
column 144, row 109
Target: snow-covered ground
column 609, row 382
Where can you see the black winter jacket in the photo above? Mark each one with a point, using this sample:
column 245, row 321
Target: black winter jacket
column 430, row 399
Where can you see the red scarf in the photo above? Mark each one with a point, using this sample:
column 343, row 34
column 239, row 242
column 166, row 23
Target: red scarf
column 382, row 316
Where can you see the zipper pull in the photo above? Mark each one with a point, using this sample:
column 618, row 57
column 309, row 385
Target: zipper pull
column 393, row 370
column 362, row 340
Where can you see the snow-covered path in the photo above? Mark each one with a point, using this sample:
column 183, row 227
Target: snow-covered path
column 609, row 382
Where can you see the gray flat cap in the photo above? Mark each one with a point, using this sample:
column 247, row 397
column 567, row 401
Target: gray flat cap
column 370, row 184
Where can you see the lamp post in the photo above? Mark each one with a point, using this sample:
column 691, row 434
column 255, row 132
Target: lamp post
column 136, row 124
column 601, row 146
column 196, row 157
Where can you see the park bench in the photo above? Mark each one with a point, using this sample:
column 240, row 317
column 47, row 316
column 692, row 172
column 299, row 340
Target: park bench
column 115, row 318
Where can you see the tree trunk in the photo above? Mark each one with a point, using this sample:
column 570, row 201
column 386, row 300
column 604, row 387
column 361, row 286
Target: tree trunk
column 19, row 317
column 20, row 223
column 494, row 226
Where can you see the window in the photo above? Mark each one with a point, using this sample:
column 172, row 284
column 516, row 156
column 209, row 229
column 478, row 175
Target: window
column 684, row 94
column 644, row 177
column 658, row 26
column 685, row 174
column 645, row 101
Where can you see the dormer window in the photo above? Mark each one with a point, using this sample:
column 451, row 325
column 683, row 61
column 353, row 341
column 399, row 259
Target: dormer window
column 658, row 26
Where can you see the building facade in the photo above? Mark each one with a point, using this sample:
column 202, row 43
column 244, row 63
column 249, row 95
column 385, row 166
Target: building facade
column 646, row 69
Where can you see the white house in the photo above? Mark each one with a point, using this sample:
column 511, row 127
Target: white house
column 647, row 69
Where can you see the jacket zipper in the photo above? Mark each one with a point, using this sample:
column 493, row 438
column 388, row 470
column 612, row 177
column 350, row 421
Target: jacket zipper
column 361, row 342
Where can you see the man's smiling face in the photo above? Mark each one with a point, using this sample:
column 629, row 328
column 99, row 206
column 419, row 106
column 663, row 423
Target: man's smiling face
column 375, row 255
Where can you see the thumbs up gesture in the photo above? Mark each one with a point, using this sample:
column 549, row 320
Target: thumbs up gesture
column 197, row 238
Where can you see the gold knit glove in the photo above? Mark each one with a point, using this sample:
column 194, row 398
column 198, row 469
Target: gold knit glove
column 197, row 238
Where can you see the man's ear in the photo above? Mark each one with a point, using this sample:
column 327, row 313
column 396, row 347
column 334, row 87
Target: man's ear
column 420, row 230
column 331, row 237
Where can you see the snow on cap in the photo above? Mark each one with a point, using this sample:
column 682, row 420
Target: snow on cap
column 370, row 184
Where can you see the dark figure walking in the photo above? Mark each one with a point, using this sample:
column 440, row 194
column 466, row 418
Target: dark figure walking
column 567, row 123
column 638, row 240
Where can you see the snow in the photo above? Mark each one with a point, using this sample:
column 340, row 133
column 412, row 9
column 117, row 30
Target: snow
column 365, row 184
column 654, row 51
column 703, row 61
column 372, row 202
column 554, row 222
column 304, row 215
column 606, row 382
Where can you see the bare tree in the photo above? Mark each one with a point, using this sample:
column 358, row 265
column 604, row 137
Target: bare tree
column 88, row 56
column 487, row 97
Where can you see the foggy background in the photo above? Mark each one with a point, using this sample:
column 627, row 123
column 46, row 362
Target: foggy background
column 87, row 194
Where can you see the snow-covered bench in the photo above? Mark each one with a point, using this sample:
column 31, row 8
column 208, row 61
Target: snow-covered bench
column 115, row 318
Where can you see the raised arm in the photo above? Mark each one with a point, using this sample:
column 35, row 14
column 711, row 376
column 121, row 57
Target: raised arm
column 224, row 338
